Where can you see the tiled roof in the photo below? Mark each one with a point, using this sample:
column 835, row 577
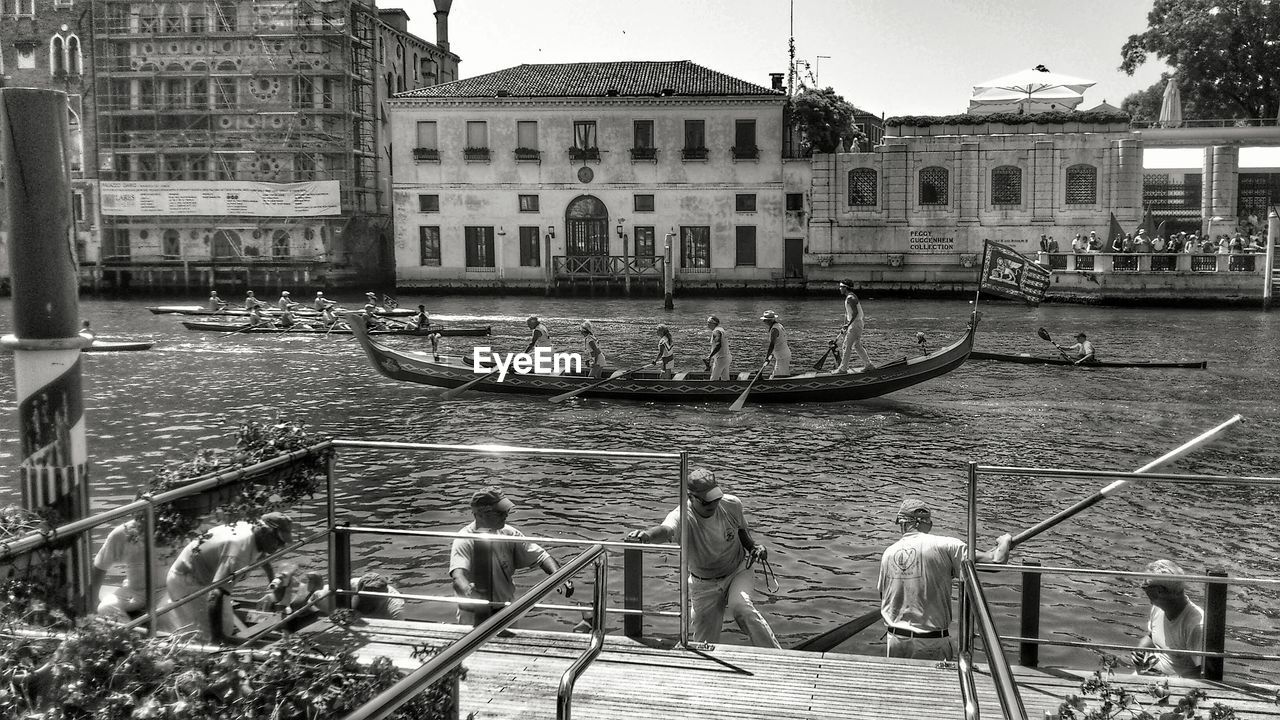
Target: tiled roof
column 596, row 79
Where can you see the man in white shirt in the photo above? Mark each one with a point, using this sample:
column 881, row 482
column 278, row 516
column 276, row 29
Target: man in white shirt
column 1175, row 623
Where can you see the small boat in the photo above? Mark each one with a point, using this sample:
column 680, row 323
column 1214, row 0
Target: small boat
column 1028, row 359
column 271, row 310
column 339, row 329
column 423, row 368
column 116, row 346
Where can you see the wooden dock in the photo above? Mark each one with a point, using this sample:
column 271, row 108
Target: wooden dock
column 517, row 677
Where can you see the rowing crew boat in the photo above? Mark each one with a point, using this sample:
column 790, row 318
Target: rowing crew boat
column 339, row 329
column 269, row 310
column 1028, row 359
column 418, row 367
column 111, row 346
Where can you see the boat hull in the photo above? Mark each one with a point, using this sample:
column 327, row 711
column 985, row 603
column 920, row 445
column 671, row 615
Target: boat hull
column 421, row 368
column 1027, row 359
column 459, row 331
column 241, row 312
column 116, row 346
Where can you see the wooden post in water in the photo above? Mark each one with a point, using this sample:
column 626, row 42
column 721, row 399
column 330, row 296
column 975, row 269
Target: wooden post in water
column 668, row 273
column 1029, row 653
column 53, row 465
column 633, row 592
column 1268, row 274
column 340, row 567
column 1215, row 624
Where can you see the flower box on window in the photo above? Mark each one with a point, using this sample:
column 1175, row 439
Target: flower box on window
column 577, row 153
column 476, row 154
column 426, row 154
column 528, row 154
column 642, row 153
column 746, row 153
column 698, row 153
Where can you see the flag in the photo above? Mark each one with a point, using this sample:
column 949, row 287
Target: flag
column 389, row 302
column 1148, row 222
column 1113, row 233
column 1006, row 273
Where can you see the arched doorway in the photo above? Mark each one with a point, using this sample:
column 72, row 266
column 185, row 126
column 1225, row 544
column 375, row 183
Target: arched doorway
column 586, row 223
column 226, row 245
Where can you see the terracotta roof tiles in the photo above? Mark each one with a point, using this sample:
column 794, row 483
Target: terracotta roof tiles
column 596, row 79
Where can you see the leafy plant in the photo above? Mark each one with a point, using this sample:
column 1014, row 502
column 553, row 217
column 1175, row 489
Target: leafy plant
column 33, row 585
column 1044, row 118
column 1105, row 699
column 260, row 493
column 824, row 118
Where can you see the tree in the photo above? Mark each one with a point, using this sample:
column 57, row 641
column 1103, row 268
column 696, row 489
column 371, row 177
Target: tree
column 824, row 118
column 1228, row 50
column 1144, row 105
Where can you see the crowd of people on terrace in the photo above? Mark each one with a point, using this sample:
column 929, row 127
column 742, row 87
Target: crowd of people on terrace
column 1239, row 243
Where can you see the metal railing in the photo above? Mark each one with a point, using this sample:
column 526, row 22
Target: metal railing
column 979, row 613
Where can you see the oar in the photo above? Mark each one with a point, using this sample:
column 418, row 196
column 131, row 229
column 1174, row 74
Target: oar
column 233, row 332
column 1171, row 456
column 742, row 399
column 1044, row 334
column 831, row 638
column 575, row 393
column 831, row 346
column 452, row 393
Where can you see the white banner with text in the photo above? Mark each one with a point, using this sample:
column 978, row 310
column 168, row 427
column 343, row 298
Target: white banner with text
column 220, row 197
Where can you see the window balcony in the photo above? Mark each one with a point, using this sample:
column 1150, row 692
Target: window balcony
column 424, row 154
column 476, row 154
column 693, row 153
column 644, row 153
column 524, row 154
column 576, row 153
column 746, row 153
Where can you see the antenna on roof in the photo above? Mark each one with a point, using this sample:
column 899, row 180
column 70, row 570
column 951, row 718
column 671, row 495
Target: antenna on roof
column 791, row 51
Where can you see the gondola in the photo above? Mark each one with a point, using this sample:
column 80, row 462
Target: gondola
column 1028, row 359
column 810, row 386
column 341, row 329
column 241, row 312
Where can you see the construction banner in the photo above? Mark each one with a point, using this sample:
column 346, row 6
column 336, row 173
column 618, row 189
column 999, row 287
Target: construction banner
column 185, row 198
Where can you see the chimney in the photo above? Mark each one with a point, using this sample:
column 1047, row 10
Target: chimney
column 776, row 80
column 442, row 24
column 395, row 18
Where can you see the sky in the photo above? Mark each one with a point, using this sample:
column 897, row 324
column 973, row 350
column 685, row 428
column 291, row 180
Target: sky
column 896, row 57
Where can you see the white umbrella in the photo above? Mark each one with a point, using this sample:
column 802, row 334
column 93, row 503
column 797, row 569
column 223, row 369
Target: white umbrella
column 994, row 100
column 1034, row 83
column 1171, row 107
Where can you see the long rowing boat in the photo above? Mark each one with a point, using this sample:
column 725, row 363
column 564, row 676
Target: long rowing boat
column 1028, row 359
column 270, row 310
column 339, row 329
column 423, row 368
column 116, row 346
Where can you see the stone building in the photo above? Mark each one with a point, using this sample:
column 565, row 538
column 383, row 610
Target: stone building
column 544, row 175
column 42, row 45
column 240, row 142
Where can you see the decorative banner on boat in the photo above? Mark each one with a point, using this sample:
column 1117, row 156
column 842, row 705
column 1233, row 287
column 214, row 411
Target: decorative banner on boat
column 1006, row 273
column 221, row 197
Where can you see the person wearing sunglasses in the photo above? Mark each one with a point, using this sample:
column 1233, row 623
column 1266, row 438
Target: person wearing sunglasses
column 1174, row 623
column 916, row 574
column 721, row 553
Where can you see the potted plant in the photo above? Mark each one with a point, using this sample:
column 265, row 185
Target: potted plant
column 426, row 154
column 524, row 153
column 475, row 153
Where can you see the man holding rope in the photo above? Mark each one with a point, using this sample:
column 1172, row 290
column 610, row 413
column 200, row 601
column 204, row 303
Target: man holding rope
column 915, row 584
column 721, row 553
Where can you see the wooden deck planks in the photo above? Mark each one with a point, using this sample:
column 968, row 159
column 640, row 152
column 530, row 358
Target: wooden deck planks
column 517, row 677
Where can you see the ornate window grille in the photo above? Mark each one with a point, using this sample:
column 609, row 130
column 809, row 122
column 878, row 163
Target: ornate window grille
column 1006, row 185
column 934, row 182
column 862, row 187
column 1082, row 185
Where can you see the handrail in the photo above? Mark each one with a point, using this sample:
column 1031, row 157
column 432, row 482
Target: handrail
column 1176, row 478
column 1006, row 687
column 388, row 701
column 564, row 696
column 507, row 450
column 1062, row 570
column 621, row 544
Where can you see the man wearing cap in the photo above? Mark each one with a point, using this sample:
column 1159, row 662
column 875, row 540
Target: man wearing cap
column 1082, row 352
column 541, row 337
column 216, row 303
column 251, row 301
column 778, row 348
column 217, row 555
column 854, row 324
column 284, row 303
column 721, row 552
column 321, row 302
column 1175, row 623
column 367, row 606
column 482, row 569
column 915, row 584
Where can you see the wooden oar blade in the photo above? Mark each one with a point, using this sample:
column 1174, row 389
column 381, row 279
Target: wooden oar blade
column 452, row 393
column 1044, row 334
column 742, row 399
column 574, row 393
column 831, row 638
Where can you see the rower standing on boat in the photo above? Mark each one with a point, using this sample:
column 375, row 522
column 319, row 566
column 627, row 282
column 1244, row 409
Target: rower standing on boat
column 915, row 584
column 720, row 357
column 591, row 348
column 216, row 303
column 855, row 321
column 721, row 552
column 422, row 323
column 482, row 570
column 666, row 353
column 778, row 348
column 1082, row 353
column 541, row 337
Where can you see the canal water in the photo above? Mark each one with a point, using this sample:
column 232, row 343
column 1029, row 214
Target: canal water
column 821, row 483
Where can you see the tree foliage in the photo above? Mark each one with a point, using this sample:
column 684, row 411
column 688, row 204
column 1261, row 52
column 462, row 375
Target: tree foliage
column 824, row 118
column 1144, row 105
column 1227, row 50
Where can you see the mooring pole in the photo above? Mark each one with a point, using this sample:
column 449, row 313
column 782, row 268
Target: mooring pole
column 668, row 274
column 1268, row 275
column 53, row 469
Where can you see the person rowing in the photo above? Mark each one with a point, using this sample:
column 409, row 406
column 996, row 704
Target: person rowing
column 256, row 318
column 321, row 302
column 216, row 303
column 251, row 302
column 541, row 337
column 666, row 353
column 422, row 323
column 591, row 348
column 328, row 316
column 285, row 303
column 1082, row 353
column 371, row 317
column 778, row 348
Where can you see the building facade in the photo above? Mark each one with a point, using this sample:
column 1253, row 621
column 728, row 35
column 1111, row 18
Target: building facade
column 236, row 142
column 42, row 45
column 549, row 175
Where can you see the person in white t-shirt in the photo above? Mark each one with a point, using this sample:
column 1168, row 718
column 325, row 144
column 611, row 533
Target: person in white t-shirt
column 1175, row 623
column 721, row 552
column 916, row 573
column 125, row 546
